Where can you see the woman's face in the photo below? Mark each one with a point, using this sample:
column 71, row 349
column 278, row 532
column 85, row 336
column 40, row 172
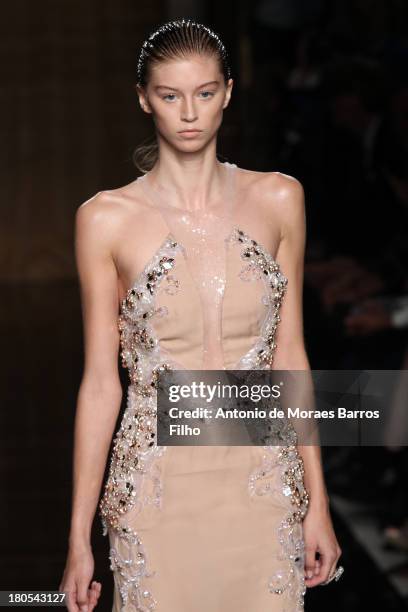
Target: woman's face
column 186, row 94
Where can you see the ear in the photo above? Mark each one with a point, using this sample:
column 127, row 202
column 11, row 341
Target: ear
column 143, row 101
column 228, row 92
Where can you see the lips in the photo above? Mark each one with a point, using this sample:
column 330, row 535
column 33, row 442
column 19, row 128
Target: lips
column 189, row 131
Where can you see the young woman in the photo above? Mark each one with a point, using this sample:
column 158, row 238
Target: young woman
column 205, row 262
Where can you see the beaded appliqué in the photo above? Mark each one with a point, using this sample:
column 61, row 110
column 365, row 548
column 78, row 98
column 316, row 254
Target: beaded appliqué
column 281, row 471
column 260, row 265
column 133, row 469
column 128, row 574
column 281, row 476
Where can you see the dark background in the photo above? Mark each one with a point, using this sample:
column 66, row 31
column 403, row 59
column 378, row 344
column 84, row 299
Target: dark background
column 320, row 93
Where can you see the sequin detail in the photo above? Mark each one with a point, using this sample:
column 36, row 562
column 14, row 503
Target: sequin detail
column 128, row 575
column 280, row 475
column 261, row 265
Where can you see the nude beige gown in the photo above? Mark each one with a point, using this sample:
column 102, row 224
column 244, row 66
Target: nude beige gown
column 202, row 528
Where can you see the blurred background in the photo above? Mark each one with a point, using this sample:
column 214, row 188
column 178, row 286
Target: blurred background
column 320, row 93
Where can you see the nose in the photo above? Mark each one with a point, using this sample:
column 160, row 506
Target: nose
column 188, row 112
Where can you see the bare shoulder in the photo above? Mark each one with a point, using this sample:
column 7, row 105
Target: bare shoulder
column 106, row 212
column 281, row 195
column 97, row 209
column 111, row 203
column 95, row 220
column 275, row 187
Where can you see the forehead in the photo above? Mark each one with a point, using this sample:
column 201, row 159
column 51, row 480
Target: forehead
column 185, row 72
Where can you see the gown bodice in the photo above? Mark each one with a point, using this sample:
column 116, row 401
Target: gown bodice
column 209, row 297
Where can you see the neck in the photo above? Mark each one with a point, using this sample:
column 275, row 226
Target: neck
column 179, row 191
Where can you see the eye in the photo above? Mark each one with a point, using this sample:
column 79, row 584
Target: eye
column 171, row 97
column 208, row 92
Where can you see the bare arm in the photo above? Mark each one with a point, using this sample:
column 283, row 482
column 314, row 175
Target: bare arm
column 290, row 352
column 100, row 392
column 321, row 546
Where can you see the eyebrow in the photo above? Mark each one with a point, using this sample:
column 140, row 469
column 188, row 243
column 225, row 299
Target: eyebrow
column 199, row 86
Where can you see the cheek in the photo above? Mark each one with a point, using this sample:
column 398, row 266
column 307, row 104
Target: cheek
column 165, row 119
column 211, row 113
column 214, row 117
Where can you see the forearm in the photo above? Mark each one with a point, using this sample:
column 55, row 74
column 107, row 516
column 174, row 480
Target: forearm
column 95, row 420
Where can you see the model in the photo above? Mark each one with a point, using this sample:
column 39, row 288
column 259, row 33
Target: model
column 197, row 265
